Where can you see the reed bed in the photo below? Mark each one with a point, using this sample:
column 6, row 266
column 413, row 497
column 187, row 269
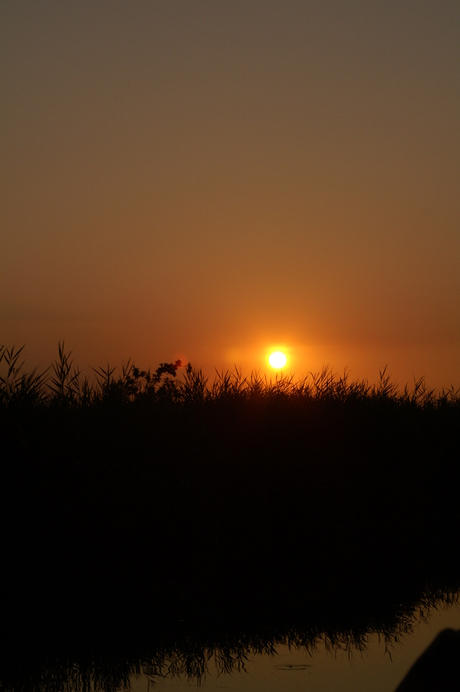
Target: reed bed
column 63, row 383
column 136, row 498
column 195, row 655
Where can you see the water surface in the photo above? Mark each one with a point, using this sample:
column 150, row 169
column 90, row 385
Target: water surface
column 379, row 667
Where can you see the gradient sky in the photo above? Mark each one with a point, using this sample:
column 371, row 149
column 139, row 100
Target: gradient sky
column 209, row 179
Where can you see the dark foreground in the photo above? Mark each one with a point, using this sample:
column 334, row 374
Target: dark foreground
column 139, row 517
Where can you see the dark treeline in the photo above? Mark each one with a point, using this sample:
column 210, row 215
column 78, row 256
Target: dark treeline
column 135, row 501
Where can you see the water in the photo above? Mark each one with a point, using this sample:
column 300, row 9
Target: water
column 380, row 667
column 377, row 664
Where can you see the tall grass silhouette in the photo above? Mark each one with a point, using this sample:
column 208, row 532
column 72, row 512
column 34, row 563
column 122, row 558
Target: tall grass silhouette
column 63, row 383
column 135, row 498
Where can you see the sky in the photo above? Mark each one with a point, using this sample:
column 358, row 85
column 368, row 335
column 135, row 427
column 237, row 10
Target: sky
column 212, row 180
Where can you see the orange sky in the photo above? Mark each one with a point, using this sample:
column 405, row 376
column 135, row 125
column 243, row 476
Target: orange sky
column 208, row 179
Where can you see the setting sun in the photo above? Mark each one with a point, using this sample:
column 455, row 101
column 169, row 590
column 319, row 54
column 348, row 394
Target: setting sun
column 277, row 359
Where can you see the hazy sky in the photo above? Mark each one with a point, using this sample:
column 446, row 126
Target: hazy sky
column 209, row 179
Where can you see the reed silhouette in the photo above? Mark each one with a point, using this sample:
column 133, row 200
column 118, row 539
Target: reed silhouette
column 191, row 652
column 135, row 499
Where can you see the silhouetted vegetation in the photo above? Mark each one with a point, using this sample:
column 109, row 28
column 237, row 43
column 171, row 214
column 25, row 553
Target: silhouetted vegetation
column 136, row 501
column 195, row 653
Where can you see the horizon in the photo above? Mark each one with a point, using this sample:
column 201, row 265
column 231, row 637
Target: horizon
column 269, row 373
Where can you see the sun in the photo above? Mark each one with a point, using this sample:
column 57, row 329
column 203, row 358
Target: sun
column 277, row 360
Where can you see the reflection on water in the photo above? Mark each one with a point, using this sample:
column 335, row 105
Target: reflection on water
column 377, row 664
column 362, row 659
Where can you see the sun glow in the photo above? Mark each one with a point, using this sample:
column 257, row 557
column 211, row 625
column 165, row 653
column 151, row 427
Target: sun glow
column 277, row 360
